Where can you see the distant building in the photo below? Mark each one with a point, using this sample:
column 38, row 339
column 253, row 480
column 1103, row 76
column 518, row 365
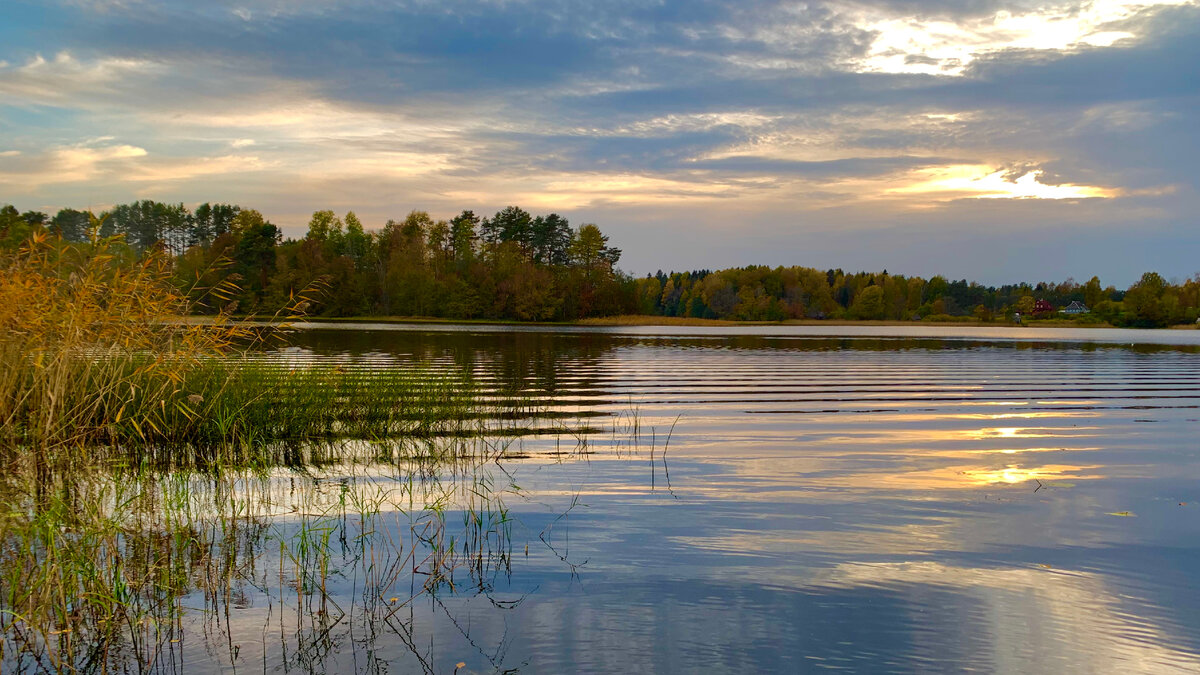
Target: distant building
column 1042, row 307
column 1076, row 307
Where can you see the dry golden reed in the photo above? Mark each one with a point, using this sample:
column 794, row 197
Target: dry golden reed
column 96, row 353
column 92, row 343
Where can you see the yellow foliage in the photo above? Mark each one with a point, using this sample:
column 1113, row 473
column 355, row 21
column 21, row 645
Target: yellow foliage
column 92, row 337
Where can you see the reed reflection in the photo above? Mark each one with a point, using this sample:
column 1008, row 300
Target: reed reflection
column 657, row 503
column 333, row 566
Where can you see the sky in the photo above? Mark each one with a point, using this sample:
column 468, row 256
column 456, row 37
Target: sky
column 993, row 140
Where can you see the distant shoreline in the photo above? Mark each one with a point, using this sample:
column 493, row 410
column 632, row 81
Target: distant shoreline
column 648, row 320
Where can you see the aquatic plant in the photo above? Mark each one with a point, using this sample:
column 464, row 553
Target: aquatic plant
column 111, row 572
column 91, row 345
column 95, row 356
column 142, row 454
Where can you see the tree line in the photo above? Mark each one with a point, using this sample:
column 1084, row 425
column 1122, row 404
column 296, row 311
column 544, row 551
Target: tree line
column 511, row 265
column 516, row 266
column 775, row 294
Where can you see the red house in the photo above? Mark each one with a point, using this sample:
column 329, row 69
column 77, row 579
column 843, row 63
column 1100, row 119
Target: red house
column 1042, row 307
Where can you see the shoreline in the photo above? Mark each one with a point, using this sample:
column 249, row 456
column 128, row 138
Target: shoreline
column 649, row 320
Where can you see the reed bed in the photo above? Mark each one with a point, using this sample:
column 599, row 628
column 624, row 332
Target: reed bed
column 94, row 357
column 140, row 460
column 237, row 407
column 91, row 347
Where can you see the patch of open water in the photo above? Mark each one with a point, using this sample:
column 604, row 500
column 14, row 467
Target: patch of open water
column 867, row 503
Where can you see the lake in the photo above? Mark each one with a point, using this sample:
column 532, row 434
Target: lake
column 759, row 499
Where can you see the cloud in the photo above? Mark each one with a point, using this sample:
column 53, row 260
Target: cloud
column 982, row 182
column 833, row 168
column 103, row 161
column 781, row 117
column 68, row 164
column 181, row 169
column 911, row 43
column 67, row 80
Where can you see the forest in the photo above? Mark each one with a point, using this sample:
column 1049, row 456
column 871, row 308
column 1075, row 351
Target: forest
column 513, row 265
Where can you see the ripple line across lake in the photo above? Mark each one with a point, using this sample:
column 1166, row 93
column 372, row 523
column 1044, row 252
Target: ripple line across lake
column 920, row 500
column 868, row 499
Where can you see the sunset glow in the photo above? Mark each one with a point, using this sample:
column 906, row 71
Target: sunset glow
column 915, row 45
column 958, row 182
column 797, row 123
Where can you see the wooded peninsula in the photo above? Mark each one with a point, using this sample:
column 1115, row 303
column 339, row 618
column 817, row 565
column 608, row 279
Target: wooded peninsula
column 520, row 267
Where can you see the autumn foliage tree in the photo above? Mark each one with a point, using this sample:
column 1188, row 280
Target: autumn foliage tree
column 517, row 265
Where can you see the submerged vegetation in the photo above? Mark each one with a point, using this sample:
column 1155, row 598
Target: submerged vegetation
column 150, row 572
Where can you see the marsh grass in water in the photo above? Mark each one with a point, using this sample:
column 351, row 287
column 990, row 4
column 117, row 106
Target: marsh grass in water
column 245, row 403
column 105, row 573
column 91, row 348
column 93, row 354
column 162, row 475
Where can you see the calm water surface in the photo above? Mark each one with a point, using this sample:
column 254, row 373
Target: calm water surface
column 884, row 500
